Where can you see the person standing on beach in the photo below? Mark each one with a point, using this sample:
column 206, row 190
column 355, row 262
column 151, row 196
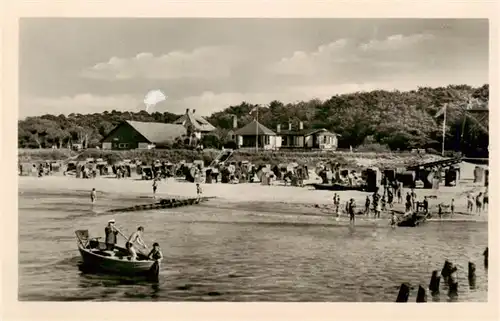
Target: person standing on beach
column 198, row 191
column 485, row 199
column 426, row 205
column 393, row 220
column 93, row 196
column 155, row 186
column 413, row 198
column 367, row 205
column 440, row 211
column 479, row 203
column 470, row 204
column 400, row 192
column 390, row 198
column 452, row 206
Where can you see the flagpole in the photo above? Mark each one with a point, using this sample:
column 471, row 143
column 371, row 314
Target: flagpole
column 444, row 129
column 257, row 131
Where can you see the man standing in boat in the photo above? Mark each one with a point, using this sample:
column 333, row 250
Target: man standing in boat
column 110, row 231
column 135, row 237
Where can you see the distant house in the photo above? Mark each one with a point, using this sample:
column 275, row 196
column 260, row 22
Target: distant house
column 247, row 136
column 142, row 135
column 307, row 138
column 198, row 124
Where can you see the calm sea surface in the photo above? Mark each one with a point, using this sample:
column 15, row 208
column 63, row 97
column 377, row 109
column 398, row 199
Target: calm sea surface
column 216, row 254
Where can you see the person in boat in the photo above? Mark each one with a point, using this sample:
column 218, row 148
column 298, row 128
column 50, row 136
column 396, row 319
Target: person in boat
column 135, row 237
column 93, row 195
column 110, row 232
column 155, row 253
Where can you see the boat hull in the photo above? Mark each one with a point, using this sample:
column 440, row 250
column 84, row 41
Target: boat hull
column 118, row 263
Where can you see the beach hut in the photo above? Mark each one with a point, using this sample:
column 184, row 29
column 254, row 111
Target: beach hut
column 478, row 174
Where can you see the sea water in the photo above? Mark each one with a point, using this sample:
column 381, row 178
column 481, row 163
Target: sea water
column 217, row 254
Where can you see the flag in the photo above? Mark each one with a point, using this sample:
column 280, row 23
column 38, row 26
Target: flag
column 440, row 112
column 153, row 97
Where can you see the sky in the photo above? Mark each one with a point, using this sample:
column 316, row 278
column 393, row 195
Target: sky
column 89, row 65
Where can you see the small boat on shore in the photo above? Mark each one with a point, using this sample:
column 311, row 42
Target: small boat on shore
column 412, row 220
column 338, row 187
column 96, row 258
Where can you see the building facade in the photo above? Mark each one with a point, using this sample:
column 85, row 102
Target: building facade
column 142, row 135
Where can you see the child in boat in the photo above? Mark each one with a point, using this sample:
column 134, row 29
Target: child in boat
column 155, row 253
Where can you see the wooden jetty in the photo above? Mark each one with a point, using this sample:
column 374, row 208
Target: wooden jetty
column 162, row 204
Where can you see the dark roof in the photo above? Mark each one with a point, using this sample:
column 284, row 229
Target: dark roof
column 156, row 133
column 198, row 122
column 251, row 130
column 305, row 132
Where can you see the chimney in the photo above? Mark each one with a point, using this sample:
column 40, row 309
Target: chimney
column 278, row 128
column 289, row 126
column 301, row 125
column 187, row 110
column 235, row 121
column 194, row 111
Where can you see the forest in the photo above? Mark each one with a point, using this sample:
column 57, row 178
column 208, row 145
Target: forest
column 388, row 120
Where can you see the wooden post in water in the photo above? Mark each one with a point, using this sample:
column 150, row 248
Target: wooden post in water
column 446, row 271
column 421, row 295
column 453, row 282
column 435, row 280
column 472, row 275
column 404, row 293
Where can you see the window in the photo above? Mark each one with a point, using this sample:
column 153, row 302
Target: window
column 123, row 145
column 267, row 140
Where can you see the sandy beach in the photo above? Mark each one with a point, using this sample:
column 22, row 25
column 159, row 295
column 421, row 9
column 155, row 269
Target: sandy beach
column 276, row 198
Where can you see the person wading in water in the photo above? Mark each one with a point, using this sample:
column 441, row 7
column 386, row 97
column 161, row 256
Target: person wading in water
column 351, row 209
column 155, row 253
column 93, row 196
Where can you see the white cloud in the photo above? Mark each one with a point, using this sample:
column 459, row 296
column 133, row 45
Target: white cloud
column 204, row 62
column 396, row 42
column 335, row 57
column 82, row 103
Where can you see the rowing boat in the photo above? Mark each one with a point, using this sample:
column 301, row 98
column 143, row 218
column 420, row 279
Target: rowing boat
column 95, row 257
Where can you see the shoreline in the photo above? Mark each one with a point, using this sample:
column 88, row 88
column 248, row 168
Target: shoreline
column 278, row 200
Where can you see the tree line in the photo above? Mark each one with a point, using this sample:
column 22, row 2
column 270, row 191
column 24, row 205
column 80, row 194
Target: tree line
column 397, row 120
